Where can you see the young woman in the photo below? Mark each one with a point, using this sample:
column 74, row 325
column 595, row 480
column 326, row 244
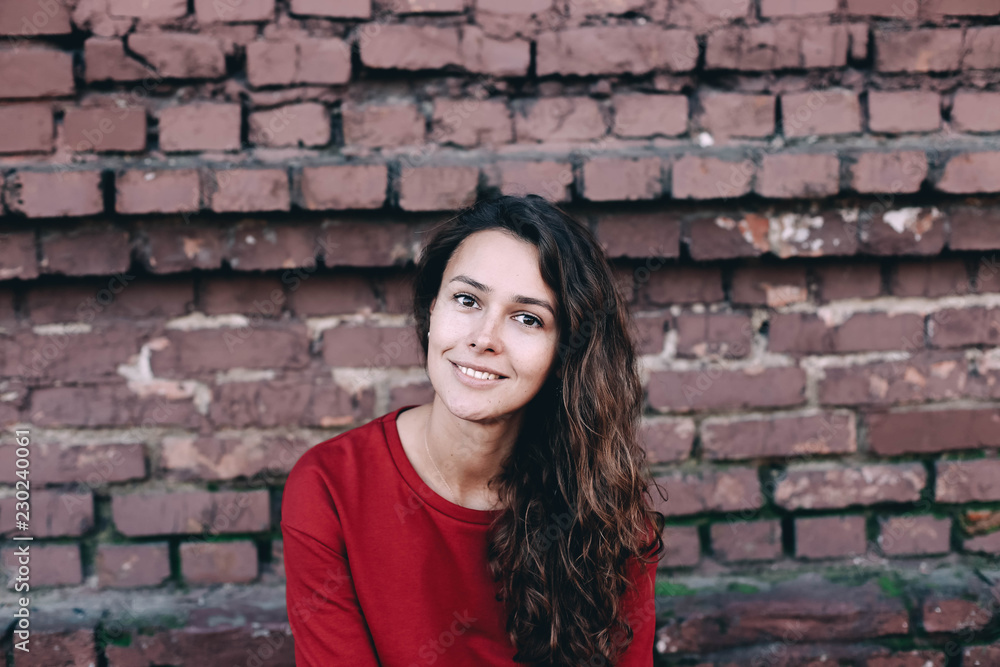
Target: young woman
column 508, row 521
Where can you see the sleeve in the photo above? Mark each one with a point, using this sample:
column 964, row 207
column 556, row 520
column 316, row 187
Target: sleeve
column 640, row 613
column 327, row 623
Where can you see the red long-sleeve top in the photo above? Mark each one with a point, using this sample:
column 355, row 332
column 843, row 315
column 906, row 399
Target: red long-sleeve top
column 381, row 570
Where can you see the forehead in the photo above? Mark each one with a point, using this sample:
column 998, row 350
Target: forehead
column 501, row 261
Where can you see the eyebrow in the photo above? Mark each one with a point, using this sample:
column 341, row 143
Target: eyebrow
column 518, row 298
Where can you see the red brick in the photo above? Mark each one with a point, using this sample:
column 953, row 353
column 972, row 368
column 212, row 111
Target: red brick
column 411, row 47
column 715, row 389
column 778, row 8
column 156, row 12
column 437, row 188
column 981, row 49
column 622, row 179
column 976, row 111
column 937, row 8
column 95, row 354
column 105, row 129
column 667, row 440
column 728, row 438
column 233, row 11
column 30, row 193
column 204, row 563
column 728, row 335
column 278, row 559
column 200, row 126
column 245, row 294
column 351, row 186
column 848, row 281
column 622, row 49
column 891, row 434
column 132, row 565
column 210, row 350
column 384, row 125
column 268, row 404
column 649, row 236
column 737, row 114
column 306, row 124
column 723, row 237
column 91, row 250
column 975, row 228
column 114, row 298
column 323, row 61
column 830, row 486
column 368, row 347
column 348, row 242
column 338, row 294
column 35, row 72
column 559, row 119
column 771, row 285
column 639, row 115
column 833, row 232
column 188, row 512
column 181, row 55
column 884, row 8
column 707, row 16
column 162, row 191
column 272, row 63
column 914, row 536
column 26, row 128
column 169, row 247
column 821, row 112
column 249, row 190
column 968, row 481
column 696, row 177
column 956, row 327
column 437, row 7
column 921, row 50
column 485, row 55
column 925, row 376
column 261, row 246
column 776, row 46
column 53, row 514
column 904, row 111
column 682, row 546
column 971, row 173
column 108, row 405
column 93, row 465
column 741, row 541
column 709, row 490
column 682, row 285
column 28, row 18
column 798, row 176
column 987, row 544
column 472, row 122
column 904, row 231
column 516, row 7
column 106, row 60
column 549, row 179
column 898, row 172
column 930, row 278
column 346, row 9
column 954, row 615
column 858, row 33
column 50, row 565
column 651, row 329
column 806, row 333
column 242, row 455
column 830, row 537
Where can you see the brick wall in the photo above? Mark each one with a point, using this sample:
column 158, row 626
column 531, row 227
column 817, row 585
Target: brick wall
column 209, row 213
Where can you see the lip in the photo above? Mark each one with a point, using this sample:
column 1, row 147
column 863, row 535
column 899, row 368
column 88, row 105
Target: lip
column 474, row 382
column 481, row 369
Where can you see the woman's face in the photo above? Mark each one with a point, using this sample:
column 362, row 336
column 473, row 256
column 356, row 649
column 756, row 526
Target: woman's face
column 491, row 312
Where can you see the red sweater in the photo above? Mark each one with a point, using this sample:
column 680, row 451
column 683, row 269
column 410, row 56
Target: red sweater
column 383, row 571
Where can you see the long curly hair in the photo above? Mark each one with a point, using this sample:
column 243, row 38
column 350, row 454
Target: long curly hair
column 575, row 487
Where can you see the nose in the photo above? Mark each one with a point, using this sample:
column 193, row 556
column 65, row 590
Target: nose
column 486, row 334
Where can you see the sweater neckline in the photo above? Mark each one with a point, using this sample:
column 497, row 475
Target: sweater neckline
column 420, row 488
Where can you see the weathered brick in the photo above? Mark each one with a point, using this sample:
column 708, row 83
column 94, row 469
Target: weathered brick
column 806, row 333
column 348, row 242
column 728, row 438
column 92, row 250
column 169, row 247
column 833, row 232
column 904, row 111
column 651, row 331
column 200, row 126
column 53, row 514
column 987, row 544
column 181, row 55
column 742, row 541
column 904, row 231
column 831, row 486
column 709, row 490
column 272, row 63
column 367, row 347
column 517, row 7
column 821, row 112
column 622, row 179
column 923, row 432
column 382, row 125
column 642, row 235
column 883, row 8
column 666, row 440
column 188, row 512
column 50, row 565
column 914, row 535
column 132, row 565
column 244, row 295
column 233, row 11
column 975, row 228
column 346, row 9
column 976, row 111
column 208, row 350
column 981, row 48
column 412, row 47
column 778, row 8
column 897, row 172
column 968, row 481
column 204, row 563
column 187, row 457
column 343, row 186
column 106, row 60
column 925, row 376
column 35, row 72
column 771, row 285
column 547, row 178
column 798, row 176
column 714, row 389
column 26, row 128
column 777, row 46
column 109, row 405
column 93, row 465
column 559, row 119
column 437, row 7
column 971, row 173
column 118, row 297
column 848, row 281
column 249, row 190
column 942, row 615
column 598, row 50
column 920, row 50
column 696, row 177
column 721, row 237
column 95, row 354
column 28, row 18
column 727, row 335
column 160, row 191
column 438, row 188
column 153, row 12
column 938, row 8
column 259, row 245
column 707, row 16
column 737, row 114
column 306, row 124
column 485, row 55
column 682, row 285
column 472, row 122
column 930, row 278
column 105, row 129
column 830, row 537
column 955, row 327
column 682, row 546
column 336, row 294
column 638, row 115
column 18, row 258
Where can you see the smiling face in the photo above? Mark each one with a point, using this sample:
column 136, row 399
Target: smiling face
column 489, row 314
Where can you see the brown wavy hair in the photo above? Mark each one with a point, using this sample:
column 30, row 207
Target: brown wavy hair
column 574, row 488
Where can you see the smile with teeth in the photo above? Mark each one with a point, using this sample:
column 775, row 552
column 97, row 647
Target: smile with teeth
column 477, row 374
